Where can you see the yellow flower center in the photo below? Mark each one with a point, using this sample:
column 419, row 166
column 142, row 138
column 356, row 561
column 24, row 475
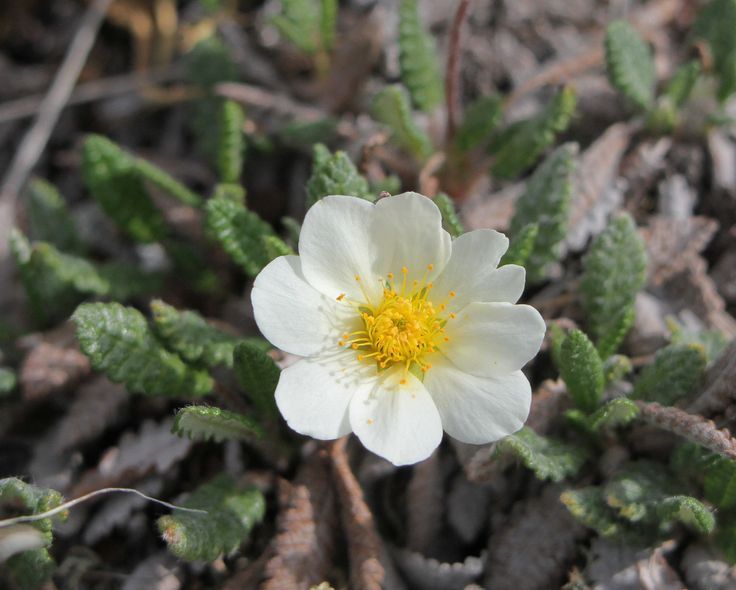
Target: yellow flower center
column 402, row 328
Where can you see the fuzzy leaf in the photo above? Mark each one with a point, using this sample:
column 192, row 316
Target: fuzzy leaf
column 519, row 145
column 450, row 218
column 521, row 246
column 231, row 514
column 616, row 368
column 582, row 370
column 241, row 233
column 715, row 24
column 210, row 423
column 675, row 372
column 232, row 142
column 167, row 183
column 30, row 570
column 119, row 343
column 546, row 202
column 334, row 174
column 194, row 339
column 720, row 482
column 630, row 64
column 8, row 381
column 713, row 342
column 682, row 82
column 391, row 107
column 110, row 175
column 418, row 59
column 589, row 506
column 49, row 218
column 480, row 120
column 546, row 457
column 618, row 412
column 258, row 374
column 615, row 270
column 300, row 22
column 689, row 511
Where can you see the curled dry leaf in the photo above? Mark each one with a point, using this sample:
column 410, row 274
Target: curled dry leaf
column 51, row 368
column 468, row 503
column 705, row 569
column 158, row 572
column 534, row 549
column 429, row 574
column 425, row 499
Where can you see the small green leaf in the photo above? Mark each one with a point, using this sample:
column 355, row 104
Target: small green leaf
column 450, row 218
column 418, row 59
column 715, row 24
column 675, row 372
column 210, row 423
column 8, row 381
column 720, row 482
column 300, row 21
column 582, row 370
column 328, row 23
column 119, row 343
column 232, row 142
column 334, row 174
column 616, row 368
column 231, row 515
column 618, row 412
column 480, row 120
column 713, row 342
column 589, row 507
column 546, row 202
column 30, row 570
column 167, row 183
column 630, row 64
column 682, row 82
column 258, row 374
column 522, row 245
column 546, row 457
column 614, row 272
column 49, row 218
column 391, row 107
column 689, row 511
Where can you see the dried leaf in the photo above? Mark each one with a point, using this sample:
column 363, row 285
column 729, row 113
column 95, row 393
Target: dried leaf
column 51, row 368
column 467, row 506
column 718, row 391
column 425, row 573
column 426, row 504
column 158, row 572
column 705, row 569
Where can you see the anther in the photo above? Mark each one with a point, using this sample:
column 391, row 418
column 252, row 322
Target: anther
column 453, row 316
column 430, row 267
column 402, row 382
column 404, row 270
column 340, row 297
column 357, row 278
column 452, row 293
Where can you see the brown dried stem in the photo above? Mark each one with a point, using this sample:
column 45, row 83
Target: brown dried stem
column 452, row 73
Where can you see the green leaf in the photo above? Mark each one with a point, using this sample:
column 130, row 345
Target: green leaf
column 713, row 342
column 582, row 370
column 675, row 372
column 546, row 457
column 258, row 374
column 303, row 135
column 110, row 175
column 519, row 145
column 194, row 339
column 241, row 233
column 630, row 64
column 480, row 120
column 210, row 423
column 614, row 272
column 546, row 202
column 418, row 59
column 49, row 218
column 450, row 218
column 300, row 21
column 589, row 507
column 8, row 381
column 715, row 24
column 720, row 482
column 521, row 246
column 334, row 174
column 689, row 511
column 616, row 367
column 725, row 537
column 618, row 412
column 232, row 142
column 167, row 183
column 119, row 343
column 391, row 107
column 328, row 23
column 682, row 83
column 30, row 570
column 231, row 514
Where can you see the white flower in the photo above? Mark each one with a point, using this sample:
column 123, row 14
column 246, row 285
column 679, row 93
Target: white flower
column 404, row 330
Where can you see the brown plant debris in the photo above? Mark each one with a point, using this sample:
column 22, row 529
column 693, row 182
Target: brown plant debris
column 430, row 574
column 719, row 389
column 425, row 504
column 51, row 368
column 705, row 569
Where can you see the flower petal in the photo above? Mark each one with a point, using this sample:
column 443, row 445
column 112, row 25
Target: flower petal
column 291, row 314
column 472, row 275
column 399, row 422
column 335, row 245
column 491, row 339
column 313, row 395
column 478, row 410
column 407, row 231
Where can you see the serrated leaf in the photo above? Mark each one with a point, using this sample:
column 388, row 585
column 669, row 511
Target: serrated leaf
column 582, row 370
column 391, row 107
column 49, row 218
column 682, row 82
column 30, row 570
column 480, row 120
column 231, row 146
column 258, row 374
column 589, row 506
column 167, row 183
column 689, row 511
column 231, row 514
column 418, row 59
column 675, row 372
column 8, row 381
column 521, row 246
column 546, row 202
column 119, row 343
column 241, row 233
column 614, row 272
column 548, row 458
column 210, row 423
column 300, row 22
column 194, row 339
column 630, row 64
column 111, row 177
column 519, row 145
column 618, row 412
column 334, row 174
column 715, row 24
column 450, row 218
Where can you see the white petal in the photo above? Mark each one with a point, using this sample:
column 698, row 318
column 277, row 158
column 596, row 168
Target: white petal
column 398, row 422
column 472, row 274
column 407, row 231
column 491, row 339
column 291, row 314
column 314, row 394
column 478, row 410
column 335, row 245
